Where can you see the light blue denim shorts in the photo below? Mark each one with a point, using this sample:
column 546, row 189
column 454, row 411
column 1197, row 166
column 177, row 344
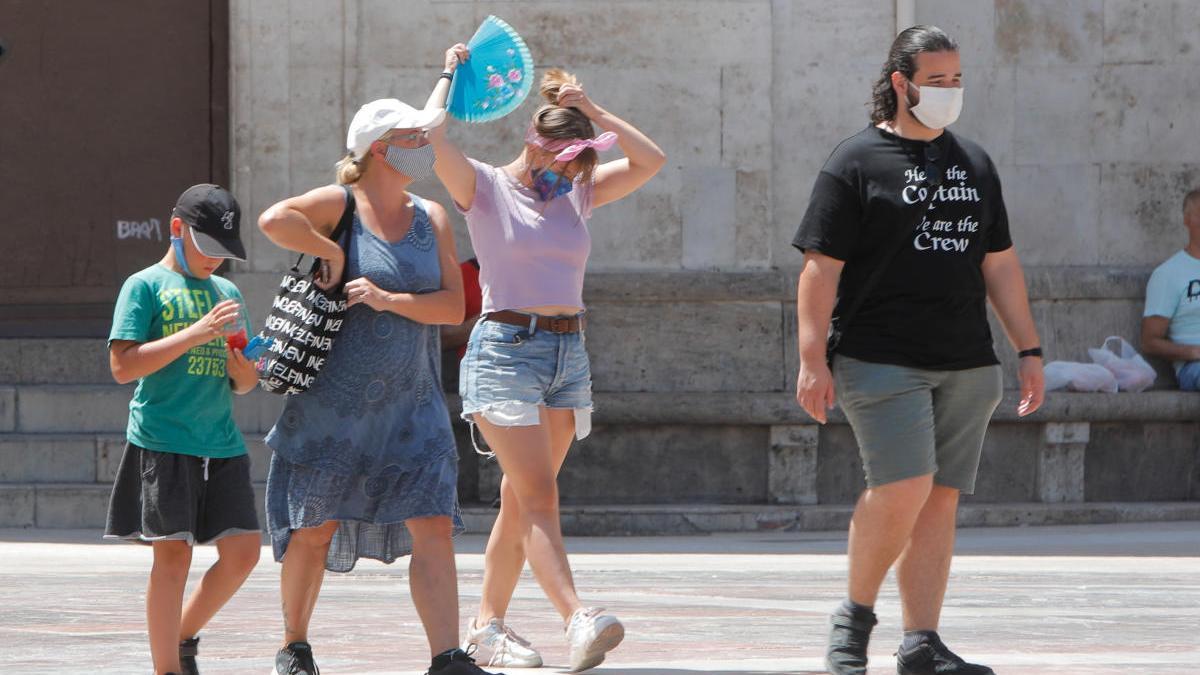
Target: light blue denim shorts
column 1189, row 376
column 510, row 371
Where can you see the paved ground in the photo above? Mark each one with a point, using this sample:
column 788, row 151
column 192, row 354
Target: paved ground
column 1078, row 600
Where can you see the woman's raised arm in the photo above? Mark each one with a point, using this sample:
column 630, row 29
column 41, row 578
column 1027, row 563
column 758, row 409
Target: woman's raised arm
column 452, row 166
column 643, row 159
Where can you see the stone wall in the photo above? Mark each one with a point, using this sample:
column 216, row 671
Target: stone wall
column 1085, row 105
column 694, row 75
column 1080, row 109
column 1082, row 104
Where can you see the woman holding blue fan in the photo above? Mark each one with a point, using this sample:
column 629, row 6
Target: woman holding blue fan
column 525, row 380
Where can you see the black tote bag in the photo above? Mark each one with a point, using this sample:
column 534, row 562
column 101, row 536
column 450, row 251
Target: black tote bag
column 304, row 321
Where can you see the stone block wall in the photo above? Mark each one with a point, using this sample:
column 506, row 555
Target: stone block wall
column 1085, row 105
column 694, row 75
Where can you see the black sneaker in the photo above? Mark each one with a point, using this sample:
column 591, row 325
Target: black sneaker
column 187, row 656
column 933, row 657
column 460, row 663
column 296, row 659
column 849, row 633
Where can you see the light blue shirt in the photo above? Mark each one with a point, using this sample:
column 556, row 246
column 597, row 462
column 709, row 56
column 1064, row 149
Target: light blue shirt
column 1174, row 292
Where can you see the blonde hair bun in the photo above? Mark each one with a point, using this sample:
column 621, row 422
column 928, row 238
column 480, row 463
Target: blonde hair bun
column 553, row 81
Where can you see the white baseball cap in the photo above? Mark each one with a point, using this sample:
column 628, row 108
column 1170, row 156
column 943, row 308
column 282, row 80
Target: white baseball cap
column 380, row 116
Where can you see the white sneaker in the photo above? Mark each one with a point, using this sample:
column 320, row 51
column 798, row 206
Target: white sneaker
column 497, row 645
column 590, row 635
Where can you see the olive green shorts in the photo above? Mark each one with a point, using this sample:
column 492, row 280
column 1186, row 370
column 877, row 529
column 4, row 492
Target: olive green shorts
column 913, row 422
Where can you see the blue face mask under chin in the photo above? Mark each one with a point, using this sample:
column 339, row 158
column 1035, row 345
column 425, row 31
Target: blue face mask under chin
column 181, row 255
column 550, row 184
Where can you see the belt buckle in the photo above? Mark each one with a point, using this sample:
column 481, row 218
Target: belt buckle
column 560, row 325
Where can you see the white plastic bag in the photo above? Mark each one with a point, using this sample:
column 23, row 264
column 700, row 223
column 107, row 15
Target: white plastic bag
column 1130, row 369
column 1079, row 377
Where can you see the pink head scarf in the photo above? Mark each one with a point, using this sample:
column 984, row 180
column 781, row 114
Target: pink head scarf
column 569, row 148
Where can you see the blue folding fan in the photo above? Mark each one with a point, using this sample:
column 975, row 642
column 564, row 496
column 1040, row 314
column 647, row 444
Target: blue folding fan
column 497, row 77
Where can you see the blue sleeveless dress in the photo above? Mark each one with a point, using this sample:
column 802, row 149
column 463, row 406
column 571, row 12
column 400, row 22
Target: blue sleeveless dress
column 370, row 444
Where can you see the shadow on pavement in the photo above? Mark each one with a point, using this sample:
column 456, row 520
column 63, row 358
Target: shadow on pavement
column 687, row 671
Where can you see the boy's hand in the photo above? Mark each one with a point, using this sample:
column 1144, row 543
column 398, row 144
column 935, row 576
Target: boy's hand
column 241, row 370
column 222, row 320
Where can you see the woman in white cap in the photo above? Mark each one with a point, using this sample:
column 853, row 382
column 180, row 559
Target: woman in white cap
column 525, row 379
column 364, row 461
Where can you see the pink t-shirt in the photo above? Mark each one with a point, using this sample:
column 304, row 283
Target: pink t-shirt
column 530, row 252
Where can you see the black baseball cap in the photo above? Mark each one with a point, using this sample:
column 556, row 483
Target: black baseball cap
column 215, row 219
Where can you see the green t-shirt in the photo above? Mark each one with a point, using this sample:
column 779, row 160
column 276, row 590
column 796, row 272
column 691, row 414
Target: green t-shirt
column 187, row 406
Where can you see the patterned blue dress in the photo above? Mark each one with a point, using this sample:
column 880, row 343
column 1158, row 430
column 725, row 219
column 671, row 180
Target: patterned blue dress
column 370, row 444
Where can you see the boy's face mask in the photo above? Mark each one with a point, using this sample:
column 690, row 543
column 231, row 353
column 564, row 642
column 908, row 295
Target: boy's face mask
column 180, row 250
column 550, row 184
column 181, row 254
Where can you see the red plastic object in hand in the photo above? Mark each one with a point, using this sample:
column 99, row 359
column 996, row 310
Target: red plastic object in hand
column 237, row 341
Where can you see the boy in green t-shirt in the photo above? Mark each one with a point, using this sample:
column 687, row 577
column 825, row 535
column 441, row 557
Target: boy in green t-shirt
column 185, row 477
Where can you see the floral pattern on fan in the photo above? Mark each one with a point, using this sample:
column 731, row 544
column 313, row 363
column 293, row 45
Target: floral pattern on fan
column 497, row 77
column 501, row 84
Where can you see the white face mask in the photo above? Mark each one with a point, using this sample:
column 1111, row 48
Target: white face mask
column 939, row 106
column 416, row 163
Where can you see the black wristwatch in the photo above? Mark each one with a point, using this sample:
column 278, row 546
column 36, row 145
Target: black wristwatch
column 1036, row 351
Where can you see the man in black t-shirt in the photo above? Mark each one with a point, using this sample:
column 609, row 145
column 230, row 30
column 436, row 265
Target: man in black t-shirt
column 905, row 240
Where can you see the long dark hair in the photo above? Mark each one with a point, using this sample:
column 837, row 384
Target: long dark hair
column 903, row 57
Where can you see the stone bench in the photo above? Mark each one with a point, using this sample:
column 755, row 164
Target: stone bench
column 690, row 453
column 694, row 373
column 763, row 448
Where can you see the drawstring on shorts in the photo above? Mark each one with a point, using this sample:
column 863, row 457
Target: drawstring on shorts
column 475, row 444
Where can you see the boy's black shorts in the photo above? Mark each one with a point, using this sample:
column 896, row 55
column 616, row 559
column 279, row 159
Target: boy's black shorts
column 165, row 495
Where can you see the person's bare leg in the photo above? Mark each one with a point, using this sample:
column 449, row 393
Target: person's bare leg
column 300, row 578
column 237, row 556
column 526, row 457
column 879, row 530
column 433, row 580
column 164, row 602
column 924, row 568
column 505, row 556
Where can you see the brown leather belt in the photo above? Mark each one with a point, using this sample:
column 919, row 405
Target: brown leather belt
column 553, row 324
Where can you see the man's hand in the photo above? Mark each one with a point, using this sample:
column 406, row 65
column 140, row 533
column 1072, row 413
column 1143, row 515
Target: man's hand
column 814, row 389
column 1033, row 385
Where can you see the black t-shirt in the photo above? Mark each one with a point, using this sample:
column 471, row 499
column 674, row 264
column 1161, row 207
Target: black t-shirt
column 929, row 309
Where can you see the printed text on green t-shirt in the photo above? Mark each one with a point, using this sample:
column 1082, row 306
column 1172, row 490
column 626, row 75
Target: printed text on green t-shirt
column 181, row 307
